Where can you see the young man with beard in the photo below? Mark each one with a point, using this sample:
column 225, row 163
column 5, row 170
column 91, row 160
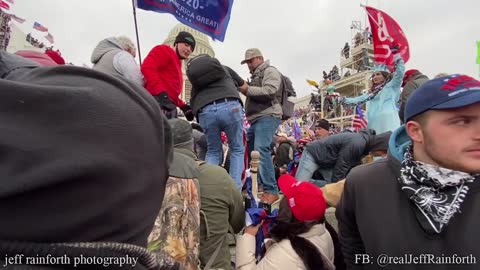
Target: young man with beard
column 162, row 71
column 420, row 205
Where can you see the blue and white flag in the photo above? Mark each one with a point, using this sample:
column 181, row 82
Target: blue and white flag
column 207, row 16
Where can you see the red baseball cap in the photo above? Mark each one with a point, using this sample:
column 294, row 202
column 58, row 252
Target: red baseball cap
column 304, row 198
column 407, row 75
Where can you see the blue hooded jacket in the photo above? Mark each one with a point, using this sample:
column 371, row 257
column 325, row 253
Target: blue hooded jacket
column 376, row 217
column 382, row 111
column 397, row 145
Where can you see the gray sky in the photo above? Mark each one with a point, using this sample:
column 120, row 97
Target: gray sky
column 301, row 38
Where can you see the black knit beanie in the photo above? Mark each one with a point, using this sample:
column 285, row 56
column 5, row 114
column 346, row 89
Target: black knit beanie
column 323, row 123
column 181, row 133
column 84, row 156
column 185, row 37
column 380, row 142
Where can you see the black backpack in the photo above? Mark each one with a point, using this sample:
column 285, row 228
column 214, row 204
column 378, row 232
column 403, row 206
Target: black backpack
column 284, row 96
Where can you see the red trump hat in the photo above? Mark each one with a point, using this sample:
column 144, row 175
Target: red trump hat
column 304, row 198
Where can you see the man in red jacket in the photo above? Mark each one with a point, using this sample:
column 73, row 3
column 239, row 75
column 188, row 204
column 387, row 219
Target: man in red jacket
column 162, row 71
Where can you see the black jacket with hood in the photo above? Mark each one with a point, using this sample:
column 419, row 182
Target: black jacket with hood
column 341, row 152
column 210, row 81
column 375, row 217
column 83, row 164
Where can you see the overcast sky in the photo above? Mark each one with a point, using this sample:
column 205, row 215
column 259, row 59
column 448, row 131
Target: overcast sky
column 301, row 38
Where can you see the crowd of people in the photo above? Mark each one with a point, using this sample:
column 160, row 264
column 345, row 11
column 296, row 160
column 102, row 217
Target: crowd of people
column 34, row 42
column 97, row 163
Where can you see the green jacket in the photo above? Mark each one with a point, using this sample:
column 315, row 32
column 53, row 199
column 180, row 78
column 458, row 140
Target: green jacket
column 221, row 205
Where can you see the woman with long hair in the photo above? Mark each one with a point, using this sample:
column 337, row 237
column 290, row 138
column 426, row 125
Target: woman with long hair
column 300, row 239
column 383, row 96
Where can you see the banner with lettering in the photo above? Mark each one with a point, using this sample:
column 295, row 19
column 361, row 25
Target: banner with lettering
column 210, row 17
column 386, row 32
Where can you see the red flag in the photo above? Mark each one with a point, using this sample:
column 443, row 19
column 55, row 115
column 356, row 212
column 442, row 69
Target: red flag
column 359, row 121
column 4, row 5
column 386, row 32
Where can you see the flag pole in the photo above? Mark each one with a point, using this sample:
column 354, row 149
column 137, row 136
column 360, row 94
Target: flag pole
column 136, row 31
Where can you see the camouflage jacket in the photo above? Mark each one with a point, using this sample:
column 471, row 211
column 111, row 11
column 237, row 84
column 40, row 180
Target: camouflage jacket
column 175, row 237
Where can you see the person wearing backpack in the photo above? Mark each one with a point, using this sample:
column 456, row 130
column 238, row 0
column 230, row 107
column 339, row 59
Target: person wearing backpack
column 264, row 113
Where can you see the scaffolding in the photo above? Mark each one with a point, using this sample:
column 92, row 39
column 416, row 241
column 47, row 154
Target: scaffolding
column 4, row 30
column 356, row 65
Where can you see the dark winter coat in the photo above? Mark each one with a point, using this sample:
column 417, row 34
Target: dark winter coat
column 211, row 81
column 341, row 152
column 376, row 217
column 284, row 154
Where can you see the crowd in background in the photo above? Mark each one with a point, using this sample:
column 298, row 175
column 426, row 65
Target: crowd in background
column 96, row 162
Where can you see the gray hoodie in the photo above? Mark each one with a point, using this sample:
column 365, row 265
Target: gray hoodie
column 109, row 57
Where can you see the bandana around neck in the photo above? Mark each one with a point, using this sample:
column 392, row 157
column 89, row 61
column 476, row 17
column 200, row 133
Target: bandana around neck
column 375, row 92
column 437, row 192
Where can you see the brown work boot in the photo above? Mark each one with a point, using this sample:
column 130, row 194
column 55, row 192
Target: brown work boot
column 269, row 198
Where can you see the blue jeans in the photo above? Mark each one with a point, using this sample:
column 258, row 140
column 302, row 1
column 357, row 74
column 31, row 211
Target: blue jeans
column 307, row 166
column 260, row 136
column 228, row 117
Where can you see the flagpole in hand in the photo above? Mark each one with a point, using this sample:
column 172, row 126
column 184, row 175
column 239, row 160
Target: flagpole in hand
column 136, row 31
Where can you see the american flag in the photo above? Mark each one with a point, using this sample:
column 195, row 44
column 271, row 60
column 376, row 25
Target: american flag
column 246, row 124
column 359, row 121
column 39, row 27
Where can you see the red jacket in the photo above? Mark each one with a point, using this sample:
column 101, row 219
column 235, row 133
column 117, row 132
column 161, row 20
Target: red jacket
column 162, row 71
column 38, row 57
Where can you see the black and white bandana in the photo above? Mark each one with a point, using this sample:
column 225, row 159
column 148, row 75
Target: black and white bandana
column 437, row 192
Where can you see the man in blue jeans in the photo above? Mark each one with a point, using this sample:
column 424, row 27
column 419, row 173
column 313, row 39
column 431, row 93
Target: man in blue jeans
column 216, row 103
column 264, row 113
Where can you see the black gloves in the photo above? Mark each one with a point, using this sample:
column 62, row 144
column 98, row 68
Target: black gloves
column 167, row 105
column 165, row 102
column 187, row 111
